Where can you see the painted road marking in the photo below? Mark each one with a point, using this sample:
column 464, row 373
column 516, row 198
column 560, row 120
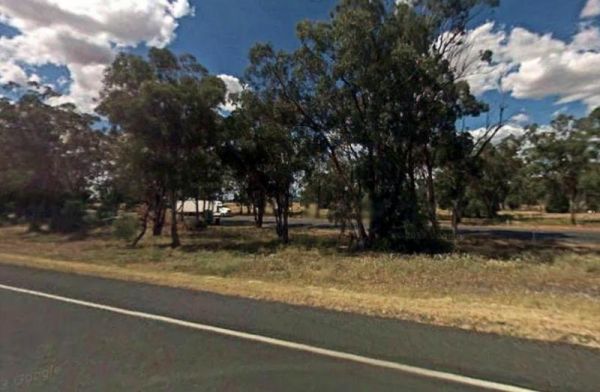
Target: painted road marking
column 414, row 370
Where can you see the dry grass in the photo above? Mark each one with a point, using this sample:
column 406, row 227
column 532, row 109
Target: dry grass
column 544, row 290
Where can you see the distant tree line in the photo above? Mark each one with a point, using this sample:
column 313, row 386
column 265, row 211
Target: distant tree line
column 362, row 119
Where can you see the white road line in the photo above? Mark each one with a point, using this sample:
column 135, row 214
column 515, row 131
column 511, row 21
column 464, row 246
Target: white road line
column 444, row 376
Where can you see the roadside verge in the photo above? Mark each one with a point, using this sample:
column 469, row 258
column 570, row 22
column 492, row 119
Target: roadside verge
column 541, row 324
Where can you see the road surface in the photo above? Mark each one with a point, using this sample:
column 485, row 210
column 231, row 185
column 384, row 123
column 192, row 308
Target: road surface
column 546, row 234
column 62, row 332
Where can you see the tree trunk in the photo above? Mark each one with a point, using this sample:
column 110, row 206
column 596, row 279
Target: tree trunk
column 182, row 213
column 259, row 204
column 573, row 208
column 260, row 216
column 259, row 213
column 285, row 237
column 456, row 217
column 159, row 214
column 276, row 203
column 431, row 194
column 364, row 239
column 174, row 234
column 197, row 210
column 159, row 222
column 144, row 227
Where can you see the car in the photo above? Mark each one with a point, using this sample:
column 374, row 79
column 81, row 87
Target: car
column 223, row 212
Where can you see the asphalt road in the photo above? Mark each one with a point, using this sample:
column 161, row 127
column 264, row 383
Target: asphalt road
column 493, row 231
column 51, row 344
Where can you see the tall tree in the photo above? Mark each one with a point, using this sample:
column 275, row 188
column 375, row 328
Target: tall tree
column 166, row 106
column 48, row 155
column 268, row 150
column 374, row 88
column 563, row 153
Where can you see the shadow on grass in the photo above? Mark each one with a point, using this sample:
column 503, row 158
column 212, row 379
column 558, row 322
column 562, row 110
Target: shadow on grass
column 238, row 243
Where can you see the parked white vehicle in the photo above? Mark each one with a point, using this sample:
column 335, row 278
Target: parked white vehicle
column 189, row 207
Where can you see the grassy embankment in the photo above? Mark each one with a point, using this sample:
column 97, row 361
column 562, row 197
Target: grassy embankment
column 542, row 290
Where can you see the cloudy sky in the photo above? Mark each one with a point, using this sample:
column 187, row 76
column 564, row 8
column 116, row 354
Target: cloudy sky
column 546, row 52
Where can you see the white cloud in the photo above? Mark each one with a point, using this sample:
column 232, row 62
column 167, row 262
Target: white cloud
column 233, row 87
column 591, row 9
column 535, row 66
column 506, row 131
column 11, row 72
column 588, row 38
column 82, row 36
column 521, row 119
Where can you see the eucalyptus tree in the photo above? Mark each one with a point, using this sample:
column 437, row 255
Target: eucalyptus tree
column 499, row 172
column 245, row 154
column 166, row 107
column 563, row 153
column 374, row 90
column 49, row 156
column 268, row 150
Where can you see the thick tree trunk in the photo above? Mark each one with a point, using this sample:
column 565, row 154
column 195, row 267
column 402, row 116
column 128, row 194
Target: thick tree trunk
column 174, row 234
column 197, row 210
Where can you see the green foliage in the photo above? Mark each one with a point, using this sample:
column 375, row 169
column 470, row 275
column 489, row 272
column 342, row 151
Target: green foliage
column 353, row 83
column 125, row 228
column 165, row 110
column 267, row 150
column 48, row 154
column 590, row 183
column 557, row 201
column 564, row 154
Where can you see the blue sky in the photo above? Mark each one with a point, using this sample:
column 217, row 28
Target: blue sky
column 547, row 50
column 223, row 31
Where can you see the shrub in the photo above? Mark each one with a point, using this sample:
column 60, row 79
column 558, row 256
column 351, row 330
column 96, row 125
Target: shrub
column 557, row 202
column 125, row 228
column 70, row 218
column 199, row 225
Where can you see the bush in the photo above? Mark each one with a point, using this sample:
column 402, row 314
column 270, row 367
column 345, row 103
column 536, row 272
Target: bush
column 558, row 203
column 513, row 202
column 125, row 228
column 475, row 209
column 70, row 218
column 199, row 225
